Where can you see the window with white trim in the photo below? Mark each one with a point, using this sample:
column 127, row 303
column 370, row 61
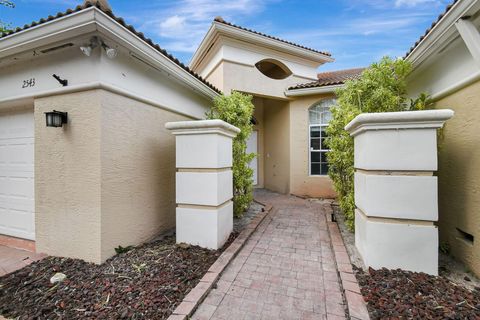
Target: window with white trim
column 319, row 115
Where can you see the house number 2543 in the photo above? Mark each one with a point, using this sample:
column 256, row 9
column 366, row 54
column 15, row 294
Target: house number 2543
column 28, row 83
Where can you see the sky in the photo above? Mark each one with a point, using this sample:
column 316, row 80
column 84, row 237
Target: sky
column 355, row 32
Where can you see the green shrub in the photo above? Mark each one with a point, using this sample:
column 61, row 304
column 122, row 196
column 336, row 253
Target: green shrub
column 381, row 88
column 4, row 27
column 237, row 109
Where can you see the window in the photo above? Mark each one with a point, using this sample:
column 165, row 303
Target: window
column 319, row 115
column 273, row 69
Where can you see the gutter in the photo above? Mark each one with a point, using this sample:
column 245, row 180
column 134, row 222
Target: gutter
column 445, row 27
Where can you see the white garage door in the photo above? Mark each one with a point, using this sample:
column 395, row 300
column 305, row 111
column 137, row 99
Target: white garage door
column 16, row 174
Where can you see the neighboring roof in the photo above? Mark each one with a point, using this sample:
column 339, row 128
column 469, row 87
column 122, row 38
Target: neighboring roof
column 439, row 18
column 220, row 20
column 331, row 78
column 88, row 4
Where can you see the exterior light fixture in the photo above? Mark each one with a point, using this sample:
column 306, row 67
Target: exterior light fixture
column 111, row 52
column 88, row 48
column 56, row 118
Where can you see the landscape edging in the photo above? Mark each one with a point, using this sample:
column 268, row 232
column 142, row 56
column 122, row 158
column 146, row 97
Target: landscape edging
column 357, row 308
column 193, row 299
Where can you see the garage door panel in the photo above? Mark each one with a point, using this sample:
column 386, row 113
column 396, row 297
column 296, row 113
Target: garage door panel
column 17, row 174
column 17, row 151
column 17, row 202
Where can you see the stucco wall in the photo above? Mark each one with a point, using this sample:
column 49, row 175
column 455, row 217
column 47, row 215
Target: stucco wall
column 459, row 176
column 67, row 177
column 216, row 77
column 301, row 183
column 249, row 79
column 277, row 145
column 104, row 180
column 138, row 172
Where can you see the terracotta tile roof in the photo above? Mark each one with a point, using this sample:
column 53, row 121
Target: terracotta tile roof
column 331, row 78
column 439, row 18
column 122, row 22
column 220, row 20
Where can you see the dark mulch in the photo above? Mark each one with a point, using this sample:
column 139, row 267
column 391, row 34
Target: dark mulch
column 399, row 294
column 147, row 282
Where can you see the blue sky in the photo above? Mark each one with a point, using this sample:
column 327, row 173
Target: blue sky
column 356, row 32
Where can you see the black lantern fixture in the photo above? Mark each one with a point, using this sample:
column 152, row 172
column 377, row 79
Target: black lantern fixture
column 56, row 118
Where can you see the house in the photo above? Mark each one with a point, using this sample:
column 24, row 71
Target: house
column 291, row 103
column 107, row 177
column 103, row 174
column 446, row 64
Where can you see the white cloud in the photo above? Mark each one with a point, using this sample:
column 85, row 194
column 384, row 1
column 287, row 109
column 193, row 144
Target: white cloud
column 184, row 23
column 412, row 3
column 172, row 27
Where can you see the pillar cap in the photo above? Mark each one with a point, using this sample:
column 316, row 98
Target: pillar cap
column 432, row 119
column 202, row 127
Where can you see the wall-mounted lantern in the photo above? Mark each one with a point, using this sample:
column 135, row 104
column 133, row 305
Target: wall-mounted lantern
column 56, row 118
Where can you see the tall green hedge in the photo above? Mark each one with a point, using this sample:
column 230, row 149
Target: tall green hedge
column 237, row 109
column 381, row 88
column 4, row 27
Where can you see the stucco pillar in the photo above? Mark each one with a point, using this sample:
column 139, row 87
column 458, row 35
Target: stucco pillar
column 395, row 189
column 204, row 181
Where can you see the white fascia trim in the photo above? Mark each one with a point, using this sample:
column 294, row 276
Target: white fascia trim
column 248, row 36
column 456, row 87
column 62, row 28
column 311, row 91
column 91, row 86
column 91, row 20
column 201, row 49
column 442, row 30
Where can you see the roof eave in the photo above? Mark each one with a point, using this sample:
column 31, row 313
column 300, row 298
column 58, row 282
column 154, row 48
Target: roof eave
column 90, row 20
column 60, row 29
column 443, row 29
column 111, row 28
column 218, row 28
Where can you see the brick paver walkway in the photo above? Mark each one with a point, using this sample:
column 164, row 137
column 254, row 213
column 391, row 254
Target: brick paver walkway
column 286, row 270
column 12, row 259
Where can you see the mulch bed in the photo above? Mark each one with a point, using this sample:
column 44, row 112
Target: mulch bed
column 147, row 282
column 399, row 294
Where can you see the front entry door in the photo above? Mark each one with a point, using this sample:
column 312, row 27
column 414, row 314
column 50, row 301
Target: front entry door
column 252, row 148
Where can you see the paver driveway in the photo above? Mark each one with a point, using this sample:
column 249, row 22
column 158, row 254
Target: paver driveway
column 286, row 269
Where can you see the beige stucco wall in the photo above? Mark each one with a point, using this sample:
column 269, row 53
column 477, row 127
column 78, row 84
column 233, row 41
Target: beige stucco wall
column 301, row 183
column 276, row 119
column 68, row 178
column 138, row 171
column 247, row 78
column 216, row 77
column 459, row 175
column 105, row 179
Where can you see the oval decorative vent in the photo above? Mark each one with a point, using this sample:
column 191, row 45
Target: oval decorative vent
column 273, row 69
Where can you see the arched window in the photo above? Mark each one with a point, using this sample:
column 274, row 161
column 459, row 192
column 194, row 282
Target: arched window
column 273, row 69
column 319, row 115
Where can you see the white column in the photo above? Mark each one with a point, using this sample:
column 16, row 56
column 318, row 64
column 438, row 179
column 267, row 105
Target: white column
column 204, row 182
column 395, row 189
